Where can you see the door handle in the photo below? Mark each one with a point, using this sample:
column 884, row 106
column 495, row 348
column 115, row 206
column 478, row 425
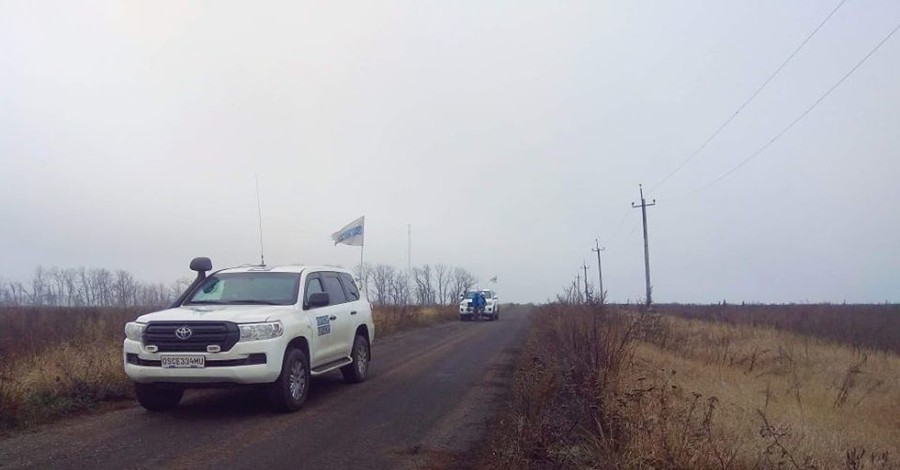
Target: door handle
column 353, row 312
column 333, row 317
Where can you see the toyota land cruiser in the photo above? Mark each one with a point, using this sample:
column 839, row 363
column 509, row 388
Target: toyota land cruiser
column 271, row 326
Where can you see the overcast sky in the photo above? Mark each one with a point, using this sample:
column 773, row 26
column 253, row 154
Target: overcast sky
column 509, row 134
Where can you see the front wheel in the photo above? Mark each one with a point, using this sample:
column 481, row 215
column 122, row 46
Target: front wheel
column 356, row 371
column 154, row 398
column 292, row 387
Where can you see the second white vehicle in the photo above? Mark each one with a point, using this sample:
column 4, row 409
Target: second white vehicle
column 491, row 309
column 270, row 326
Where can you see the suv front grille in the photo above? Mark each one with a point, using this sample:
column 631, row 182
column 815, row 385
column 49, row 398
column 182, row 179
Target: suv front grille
column 163, row 335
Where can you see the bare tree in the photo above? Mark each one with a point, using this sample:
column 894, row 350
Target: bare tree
column 38, row 287
column 70, row 278
column 382, row 280
column 463, row 280
column 421, row 293
column 444, row 283
column 5, row 294
column 85, row 288
column 18, row 294
column 101, row 280
column 399, row 289
column 364, row 274
column 125, row 288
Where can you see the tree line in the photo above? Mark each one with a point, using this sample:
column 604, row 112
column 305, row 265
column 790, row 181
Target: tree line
column 98, row 287
column 437, row 284
column 88, row 287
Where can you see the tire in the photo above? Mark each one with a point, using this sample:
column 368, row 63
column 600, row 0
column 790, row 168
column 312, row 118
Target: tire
column 292, row 387
column 356, row 371
column 157, row 399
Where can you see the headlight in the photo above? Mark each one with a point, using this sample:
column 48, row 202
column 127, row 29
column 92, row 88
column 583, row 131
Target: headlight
column 134, row 330
column 258, row 331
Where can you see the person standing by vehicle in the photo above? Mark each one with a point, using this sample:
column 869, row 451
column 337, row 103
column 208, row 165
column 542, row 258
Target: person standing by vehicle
column 478, row 303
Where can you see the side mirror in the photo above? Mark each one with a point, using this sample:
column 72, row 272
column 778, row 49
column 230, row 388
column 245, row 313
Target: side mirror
column 201, row 264
column 319, row 299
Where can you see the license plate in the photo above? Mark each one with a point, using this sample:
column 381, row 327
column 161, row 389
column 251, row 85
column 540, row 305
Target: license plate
column 183, row 362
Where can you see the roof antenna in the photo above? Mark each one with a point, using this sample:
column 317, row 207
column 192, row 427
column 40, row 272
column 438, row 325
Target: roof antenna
column 262, row 256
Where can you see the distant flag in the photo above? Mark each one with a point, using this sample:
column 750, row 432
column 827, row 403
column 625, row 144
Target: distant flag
column 493, row 279
column 352, row 233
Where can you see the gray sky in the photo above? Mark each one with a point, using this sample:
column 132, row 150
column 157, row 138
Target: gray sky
column 130, row 133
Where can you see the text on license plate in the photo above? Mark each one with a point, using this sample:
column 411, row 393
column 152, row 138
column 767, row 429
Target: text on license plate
column 183, row 362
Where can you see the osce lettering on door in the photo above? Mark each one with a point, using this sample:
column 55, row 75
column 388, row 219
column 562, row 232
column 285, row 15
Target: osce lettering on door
column 324, row 324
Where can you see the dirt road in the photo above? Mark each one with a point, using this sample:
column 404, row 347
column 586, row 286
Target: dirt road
column 428, row 396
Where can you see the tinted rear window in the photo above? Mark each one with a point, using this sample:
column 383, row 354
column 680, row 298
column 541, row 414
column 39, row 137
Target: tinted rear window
column 334, row 289
column 352, row 291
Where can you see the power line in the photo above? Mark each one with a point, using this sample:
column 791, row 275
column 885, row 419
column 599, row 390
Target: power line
column 796, row 120
column 747, row 101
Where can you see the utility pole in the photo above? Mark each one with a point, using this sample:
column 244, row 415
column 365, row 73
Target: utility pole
column 587, row 293
column 409, row 260
column 409, row 250
column 600, row 269
column 644, row 207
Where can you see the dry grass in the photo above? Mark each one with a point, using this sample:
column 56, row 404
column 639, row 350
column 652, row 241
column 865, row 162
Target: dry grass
column 738, row 396
column 56, row 361
column 392, row 319
column 620, row 389
column 563, row 389
column 872, row 326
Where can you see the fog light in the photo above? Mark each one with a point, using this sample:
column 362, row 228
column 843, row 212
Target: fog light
column 213, row 348
column 151, row 348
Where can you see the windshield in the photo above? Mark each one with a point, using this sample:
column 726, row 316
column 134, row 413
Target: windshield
column 471, row 295
column 247, row 289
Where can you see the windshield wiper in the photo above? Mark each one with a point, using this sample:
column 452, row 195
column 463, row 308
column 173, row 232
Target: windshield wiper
column 250, row 302
column 203, row 302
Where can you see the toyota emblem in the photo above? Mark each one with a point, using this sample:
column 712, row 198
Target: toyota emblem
column 183, row 332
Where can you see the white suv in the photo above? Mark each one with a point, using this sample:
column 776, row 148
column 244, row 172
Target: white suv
column 491, row 307
column 251, row 325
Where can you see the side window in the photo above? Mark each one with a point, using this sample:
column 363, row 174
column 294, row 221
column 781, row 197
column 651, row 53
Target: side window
column 313, row 286
column 334, row 289
column 349, row 287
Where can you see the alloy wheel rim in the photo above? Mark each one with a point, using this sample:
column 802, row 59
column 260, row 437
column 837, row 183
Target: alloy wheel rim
column 362, row 358
column 297, row 380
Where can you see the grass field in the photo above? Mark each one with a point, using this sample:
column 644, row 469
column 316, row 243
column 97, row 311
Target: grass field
column 874, row 327
column 56, row 361
column 612, row 388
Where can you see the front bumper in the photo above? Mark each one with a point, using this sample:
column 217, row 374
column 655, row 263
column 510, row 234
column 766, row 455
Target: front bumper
column 470, row 310
column 243, row 364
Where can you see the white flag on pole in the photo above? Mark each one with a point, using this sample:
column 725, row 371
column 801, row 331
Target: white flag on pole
column 352, row 233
